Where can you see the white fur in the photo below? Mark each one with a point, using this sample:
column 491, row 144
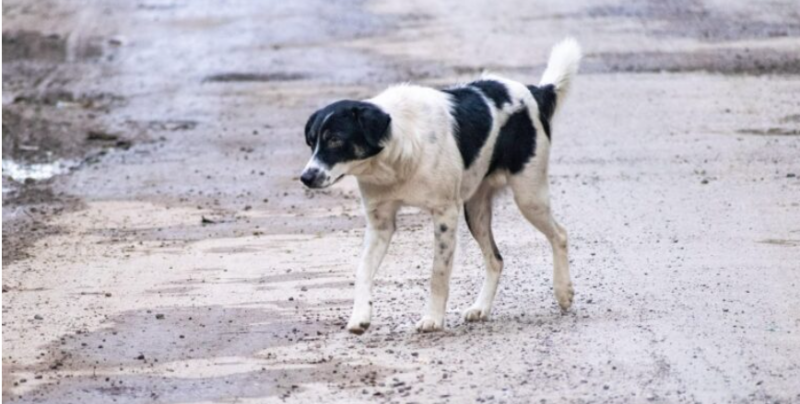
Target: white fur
column 562, row 67
column 421, row 166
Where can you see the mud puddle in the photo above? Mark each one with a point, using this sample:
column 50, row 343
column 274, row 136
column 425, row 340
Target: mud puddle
column 48, row 126
column 51, row 126
column 42, row 140
column 33, row 45
column 21, row 172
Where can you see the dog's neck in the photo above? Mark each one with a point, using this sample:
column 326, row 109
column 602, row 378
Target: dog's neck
column 396, row 163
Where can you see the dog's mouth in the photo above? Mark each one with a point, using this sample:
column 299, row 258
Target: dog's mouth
column 324, row 183
column 334, row 181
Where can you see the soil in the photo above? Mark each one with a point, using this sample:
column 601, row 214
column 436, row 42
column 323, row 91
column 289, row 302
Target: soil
column 177, row 258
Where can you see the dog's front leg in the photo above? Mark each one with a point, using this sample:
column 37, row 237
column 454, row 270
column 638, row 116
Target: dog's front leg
column 445, row 222
column 380, row 228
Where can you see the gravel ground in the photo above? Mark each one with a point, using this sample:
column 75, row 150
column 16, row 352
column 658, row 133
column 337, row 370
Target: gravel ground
column 177, row 258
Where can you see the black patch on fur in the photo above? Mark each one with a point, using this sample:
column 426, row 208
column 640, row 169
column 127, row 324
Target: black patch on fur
column 443, row 227
column 494, row 90
column 473, row 121
column 347, row 130
column 516, row 143
column 545, row 97
column 311, row 131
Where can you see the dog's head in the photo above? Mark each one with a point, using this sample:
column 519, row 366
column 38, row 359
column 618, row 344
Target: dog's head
column 341, row 135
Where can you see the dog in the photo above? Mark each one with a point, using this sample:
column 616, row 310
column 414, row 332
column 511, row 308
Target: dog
column 439, row 150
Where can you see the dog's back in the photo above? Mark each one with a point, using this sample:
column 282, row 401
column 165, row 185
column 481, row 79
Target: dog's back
column 496, row 126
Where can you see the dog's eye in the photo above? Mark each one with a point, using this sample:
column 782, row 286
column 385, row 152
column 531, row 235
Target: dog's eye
column 334, row 141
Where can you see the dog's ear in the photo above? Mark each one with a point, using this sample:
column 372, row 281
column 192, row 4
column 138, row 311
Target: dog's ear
column 374, row 123
column 311, row 131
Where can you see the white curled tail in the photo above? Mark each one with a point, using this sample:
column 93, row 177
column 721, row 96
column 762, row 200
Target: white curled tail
column 562, row 66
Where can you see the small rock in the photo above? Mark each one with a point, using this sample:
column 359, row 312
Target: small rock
column 101, row 136
column 38, row 317
column 123, row 144
column 790, row 175
column 159, row 316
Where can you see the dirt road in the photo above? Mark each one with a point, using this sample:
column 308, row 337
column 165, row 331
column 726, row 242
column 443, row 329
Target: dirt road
column 178, row 259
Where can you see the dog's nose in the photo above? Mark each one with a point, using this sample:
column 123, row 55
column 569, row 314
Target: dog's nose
column 309, row 176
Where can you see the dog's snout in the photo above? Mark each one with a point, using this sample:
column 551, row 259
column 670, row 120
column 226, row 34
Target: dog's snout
column 309, row 176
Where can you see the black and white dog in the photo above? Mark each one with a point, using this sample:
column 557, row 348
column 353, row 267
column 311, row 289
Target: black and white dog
column 439, row 150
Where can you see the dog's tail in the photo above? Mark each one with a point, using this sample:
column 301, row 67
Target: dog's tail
column 562, row 66
column 556, row 80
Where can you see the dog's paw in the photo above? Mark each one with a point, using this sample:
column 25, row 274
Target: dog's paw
column 359, row 320
column 357, row 328
column 428, row 324
column 475, row 313
column 564, row 296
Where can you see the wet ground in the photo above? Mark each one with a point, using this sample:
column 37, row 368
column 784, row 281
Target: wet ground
column 157, row 245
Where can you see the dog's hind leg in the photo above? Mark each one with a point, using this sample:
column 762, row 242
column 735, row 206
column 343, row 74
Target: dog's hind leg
column 478, row 213
column 380, row 228
column 445, row 221
column 531, row 193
